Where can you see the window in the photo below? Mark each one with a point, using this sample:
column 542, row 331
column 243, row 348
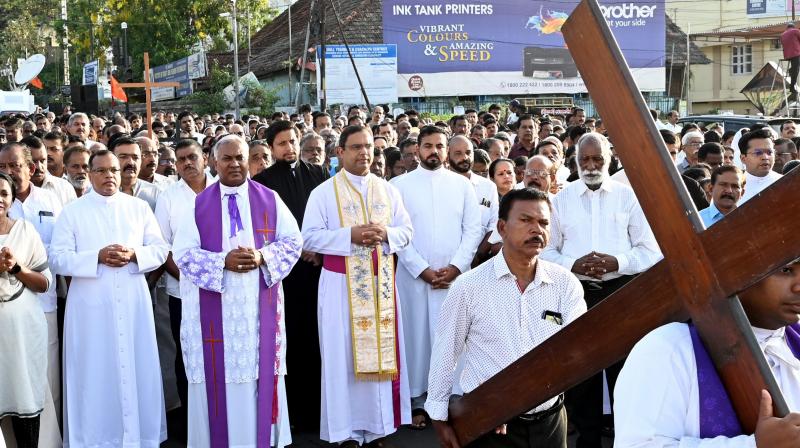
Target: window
column 741, row 59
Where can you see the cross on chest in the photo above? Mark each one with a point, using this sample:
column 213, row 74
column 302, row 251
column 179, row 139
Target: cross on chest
column 266, row 230
column 148, row 86
column 212, row 340
column 700, row 275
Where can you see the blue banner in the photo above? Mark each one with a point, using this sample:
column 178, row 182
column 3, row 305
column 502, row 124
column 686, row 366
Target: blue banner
column 175, row 71
column 520, row 36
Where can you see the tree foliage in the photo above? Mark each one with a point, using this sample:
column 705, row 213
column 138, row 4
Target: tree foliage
column 166, row 29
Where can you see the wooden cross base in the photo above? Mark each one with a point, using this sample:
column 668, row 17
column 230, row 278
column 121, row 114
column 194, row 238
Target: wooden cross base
column 148, row 86
column 698, row 278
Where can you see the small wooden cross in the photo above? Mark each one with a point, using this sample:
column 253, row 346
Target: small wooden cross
column 211, row 340
column 701, row 272
column 148, row 86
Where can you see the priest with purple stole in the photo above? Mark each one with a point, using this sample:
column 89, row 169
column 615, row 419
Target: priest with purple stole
column 670, row 395
column 358, row 221
column 233, row 252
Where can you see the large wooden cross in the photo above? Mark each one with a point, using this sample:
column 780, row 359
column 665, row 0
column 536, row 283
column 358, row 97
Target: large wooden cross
column 148, row 86
column 700, row 275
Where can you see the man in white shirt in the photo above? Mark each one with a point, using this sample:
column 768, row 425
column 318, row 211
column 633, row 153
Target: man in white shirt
column 41, row 208
column 758, row 157
column 600, row 233
column 174, row 204
column 187, row 127
column 130, row 159
column 659, row 400
column 498, row 312
column 42, row 178
column 447, row 230
column 672, row 122
column 460, row 160
column 147, row 172
column 78, row 126
column 106, row 241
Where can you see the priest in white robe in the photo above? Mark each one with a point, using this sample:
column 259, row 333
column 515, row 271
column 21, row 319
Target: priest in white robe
column 357, row 221
column 447, row 230
column 670, row 395
column 233, row 251
column 106, row 241
column 758, row 157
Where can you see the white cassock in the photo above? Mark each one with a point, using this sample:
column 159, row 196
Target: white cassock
column 112, row 380
column 359, row 410
column 656, row 400
column 240, row 324
column 754, row 185
column 447, row 230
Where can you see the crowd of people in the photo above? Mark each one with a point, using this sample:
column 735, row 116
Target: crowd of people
column 348, row 274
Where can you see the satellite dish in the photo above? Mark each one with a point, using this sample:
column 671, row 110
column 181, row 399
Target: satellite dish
column 29, row 69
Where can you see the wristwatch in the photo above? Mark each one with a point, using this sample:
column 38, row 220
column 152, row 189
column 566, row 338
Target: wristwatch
column 15, row 270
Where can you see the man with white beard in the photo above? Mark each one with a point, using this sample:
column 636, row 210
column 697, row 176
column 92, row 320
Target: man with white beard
column 76, row 166
column 599, row 232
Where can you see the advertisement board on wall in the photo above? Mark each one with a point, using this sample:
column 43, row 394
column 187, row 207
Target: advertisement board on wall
column 181, row 71
column 771, row 8
column 90, row 73
column 511, row 46
column 377, row 66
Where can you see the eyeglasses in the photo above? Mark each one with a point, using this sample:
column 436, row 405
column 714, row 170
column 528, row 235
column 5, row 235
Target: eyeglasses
column 693, row 144
column 761, row 152
column 104, row 171
column 168, row 161
column 537, row 173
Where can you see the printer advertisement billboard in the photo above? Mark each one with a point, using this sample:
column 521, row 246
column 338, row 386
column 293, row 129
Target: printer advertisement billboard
column 496, row 47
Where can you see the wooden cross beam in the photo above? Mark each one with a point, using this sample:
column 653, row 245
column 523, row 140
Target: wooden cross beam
column 148, row 86
column 698, row 278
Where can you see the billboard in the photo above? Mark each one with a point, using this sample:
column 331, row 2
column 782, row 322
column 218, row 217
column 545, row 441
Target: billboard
column 90, row 73
column 181, row 71
column 377, row 66
column 511, row 47
column 771, row 8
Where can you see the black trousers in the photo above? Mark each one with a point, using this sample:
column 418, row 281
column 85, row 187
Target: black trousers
column 181, row 424
column 585, row 401
column 26, row 431
column 547, row 432
column 794, row 68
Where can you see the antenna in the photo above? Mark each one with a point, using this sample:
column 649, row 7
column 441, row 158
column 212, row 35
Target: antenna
column 29, row 69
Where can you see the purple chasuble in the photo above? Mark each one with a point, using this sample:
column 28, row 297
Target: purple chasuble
column 208, row 216
column 717, row 416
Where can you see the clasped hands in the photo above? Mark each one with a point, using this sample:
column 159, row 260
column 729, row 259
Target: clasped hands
column 243, row 259
column 440, row 278
column 116, row 256
column 368, row 235
column 595, row 265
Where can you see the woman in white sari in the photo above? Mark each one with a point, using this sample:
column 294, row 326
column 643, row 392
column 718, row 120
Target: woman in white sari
column 23, row 329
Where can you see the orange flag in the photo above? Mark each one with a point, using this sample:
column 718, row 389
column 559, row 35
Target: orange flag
column 117, row 92
column 36, row 82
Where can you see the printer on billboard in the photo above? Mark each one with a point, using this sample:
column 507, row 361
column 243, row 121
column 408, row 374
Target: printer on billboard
column 548, row 63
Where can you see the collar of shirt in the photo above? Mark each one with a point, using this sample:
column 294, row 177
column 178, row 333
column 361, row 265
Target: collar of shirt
column 605, row 186
column 241, row 190
column 773, row 344
column 104, row 199
column 501, row 269
column 712, row 211
column 422, row 171
column 358, row 181
column 753, row 179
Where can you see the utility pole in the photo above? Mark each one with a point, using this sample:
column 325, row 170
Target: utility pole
column 124, row 26
column 311, row 12
column 65, row 42
column 289, row 74
column 235, row 61
column 323, row 102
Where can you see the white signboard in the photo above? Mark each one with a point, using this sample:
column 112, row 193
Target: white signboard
column 90, row 73
column 377, row 66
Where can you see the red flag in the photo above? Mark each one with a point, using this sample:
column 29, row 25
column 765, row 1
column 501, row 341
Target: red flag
column 117, row 92
column 36, row 82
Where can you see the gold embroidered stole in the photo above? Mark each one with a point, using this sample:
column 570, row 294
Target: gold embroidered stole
column 371, row 295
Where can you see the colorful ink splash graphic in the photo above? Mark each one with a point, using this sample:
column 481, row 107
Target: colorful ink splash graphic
column 547, row 22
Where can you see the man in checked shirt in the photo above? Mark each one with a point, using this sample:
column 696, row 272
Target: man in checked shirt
column 496, row 313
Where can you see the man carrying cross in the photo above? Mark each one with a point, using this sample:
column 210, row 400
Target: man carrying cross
column 232, row 256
